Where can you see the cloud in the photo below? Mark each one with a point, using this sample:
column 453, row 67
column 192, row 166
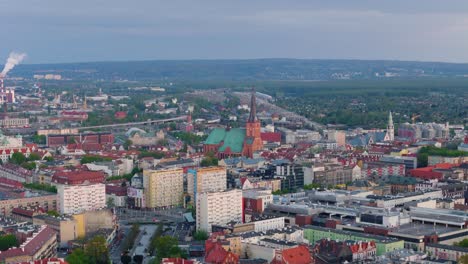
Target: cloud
column 365, row 29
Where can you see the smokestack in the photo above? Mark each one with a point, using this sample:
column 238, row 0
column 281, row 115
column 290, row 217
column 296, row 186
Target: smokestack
column 13, row 60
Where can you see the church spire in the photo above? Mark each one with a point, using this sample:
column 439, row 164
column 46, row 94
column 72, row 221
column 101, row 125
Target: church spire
column 390, row 119
column 390, row 135
column 253, row 108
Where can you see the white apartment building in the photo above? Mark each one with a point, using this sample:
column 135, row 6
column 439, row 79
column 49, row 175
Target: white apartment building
column 210, row 179
column 269, row 224
column 218, row 208
column 74, row 199
column 164, row 187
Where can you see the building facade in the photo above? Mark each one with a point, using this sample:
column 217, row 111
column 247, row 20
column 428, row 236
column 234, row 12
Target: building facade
column 42, row 244
column 218, row 208
column 164, row 187
column 211, row 179
column 383, row 244
column 78, row 198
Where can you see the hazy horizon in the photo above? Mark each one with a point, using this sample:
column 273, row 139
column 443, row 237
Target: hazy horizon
column 99, row 31
column 231, row 59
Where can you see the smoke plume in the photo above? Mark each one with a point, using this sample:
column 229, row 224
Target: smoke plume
column 13, row 60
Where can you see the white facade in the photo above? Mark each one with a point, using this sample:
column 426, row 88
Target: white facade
column 218, row 208
column 269, row 224
column 396, row 201
column 78, row 198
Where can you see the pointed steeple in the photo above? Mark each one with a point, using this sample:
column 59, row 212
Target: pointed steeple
column 390, row 135
column 390, row 119
column 253, row 108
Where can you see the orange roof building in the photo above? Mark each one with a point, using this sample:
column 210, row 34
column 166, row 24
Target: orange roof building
column 295, row 255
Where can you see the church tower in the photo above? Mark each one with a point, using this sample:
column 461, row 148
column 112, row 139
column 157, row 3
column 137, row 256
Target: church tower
column 253, row 140
column 390, row 135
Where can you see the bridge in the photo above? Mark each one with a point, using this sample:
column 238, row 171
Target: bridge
column 147, row 122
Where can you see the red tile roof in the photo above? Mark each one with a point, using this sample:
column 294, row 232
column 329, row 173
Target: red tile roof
column 47, row 261
column 271, row 137
column 176, row 261
column 4, row 182
column 116, row 189
column 215, row 253
column 429, row 173
column 73, row 177
column 31, row 246
column 296, row 255
column 26, row 212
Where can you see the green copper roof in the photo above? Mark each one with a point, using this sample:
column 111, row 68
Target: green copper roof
column 233, row 138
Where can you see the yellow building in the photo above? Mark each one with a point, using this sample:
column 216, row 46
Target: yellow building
column 210, row 179
column 91, row 221
column 163, row 187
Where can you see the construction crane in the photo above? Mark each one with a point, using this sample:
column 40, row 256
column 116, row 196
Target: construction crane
column 414, row 117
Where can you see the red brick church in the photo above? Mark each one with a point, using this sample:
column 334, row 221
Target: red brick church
column 235, row 142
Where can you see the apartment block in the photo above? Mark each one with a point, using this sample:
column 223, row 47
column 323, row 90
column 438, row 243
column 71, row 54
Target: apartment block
column 78, row 198
column 211, row 179
column 164, row 187
column 218, row 208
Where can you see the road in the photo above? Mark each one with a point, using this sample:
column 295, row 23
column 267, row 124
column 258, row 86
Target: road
column 115, row 249
column 126, row 215
column 143, row 240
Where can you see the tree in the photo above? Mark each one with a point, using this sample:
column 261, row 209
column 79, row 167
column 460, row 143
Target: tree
column 91, row 159
column 110, row 202
column 53, row 213
column 463, row 259
column 8, row 241
column 209, row 160
column 39, row 139
column 71, row 140
column 96, row 250
column 77, row 257
column 125, row 258
column 41, row 186
column 312, row 186
column 28, row 165
column 200, row 235
column 17, row 158
column 463, row 243
column 127, row 144
column 168, row 247
column 138, row 259
column 159, row 232
column 34, row 156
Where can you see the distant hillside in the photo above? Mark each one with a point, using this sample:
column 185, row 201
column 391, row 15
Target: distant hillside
column 246, row 70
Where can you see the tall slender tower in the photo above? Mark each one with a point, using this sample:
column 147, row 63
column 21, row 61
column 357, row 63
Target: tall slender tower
column 253, row 139
column 390, row 135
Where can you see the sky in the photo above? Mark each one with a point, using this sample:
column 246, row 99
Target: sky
column 115, row 30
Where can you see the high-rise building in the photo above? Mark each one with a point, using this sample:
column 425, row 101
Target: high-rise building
column 211, row 179
column 163, row 187
column 390, row 135
column 78, row 198
column 218, row 208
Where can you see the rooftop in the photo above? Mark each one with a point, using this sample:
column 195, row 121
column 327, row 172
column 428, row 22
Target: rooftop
column 380, row 239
